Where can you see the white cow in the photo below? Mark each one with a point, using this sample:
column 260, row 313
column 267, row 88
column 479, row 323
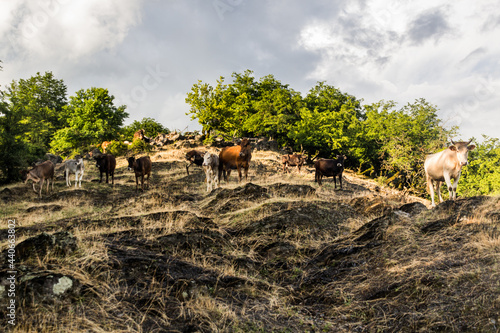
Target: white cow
column 211, row 167
column 77, row 167
column 446, row 165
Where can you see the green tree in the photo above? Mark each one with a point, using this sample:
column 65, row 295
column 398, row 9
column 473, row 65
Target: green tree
column 150, row 126
column 402, row 138
column 482, row 175
column 13, row 150
column 39, row 101
column 330, row 123
column 275, row 108
column 91, row 119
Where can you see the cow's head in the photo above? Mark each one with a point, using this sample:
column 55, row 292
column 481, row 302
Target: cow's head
column 340, row 160
column 462, row 149
column 245, row 148
column 208, row 159
column 131, row 161
column 100, row 161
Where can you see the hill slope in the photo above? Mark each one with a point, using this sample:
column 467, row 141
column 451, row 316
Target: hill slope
column 274, row 254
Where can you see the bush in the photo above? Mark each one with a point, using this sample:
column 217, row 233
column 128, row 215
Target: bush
column 117, row 148
column 139, row 146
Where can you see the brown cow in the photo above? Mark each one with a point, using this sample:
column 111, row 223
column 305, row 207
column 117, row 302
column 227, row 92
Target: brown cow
column 194, row 157
column 40, row 173
column 141, row 167
column 446, row 165
column 105, row 145
column 236, row 157
column 329, row 168
column 140, row 135
column 297, row 160
column 106, row 164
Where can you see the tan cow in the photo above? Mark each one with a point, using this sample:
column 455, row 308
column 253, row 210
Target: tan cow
column 40, row 173
column 446, row 165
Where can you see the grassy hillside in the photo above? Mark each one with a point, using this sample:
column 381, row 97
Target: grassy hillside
column 276, row 254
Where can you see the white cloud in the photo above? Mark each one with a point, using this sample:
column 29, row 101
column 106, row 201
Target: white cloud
column 62, row 29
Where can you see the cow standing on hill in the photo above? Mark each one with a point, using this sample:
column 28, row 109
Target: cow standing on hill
column 40, row 173
column 297, row 160
column 211, row 166
column 236, row 157
column 141, row 167
column 77, row 167
column 106, row 164
column 446, row 165
column 329, row 168
column 194, row 157
column 140, row 135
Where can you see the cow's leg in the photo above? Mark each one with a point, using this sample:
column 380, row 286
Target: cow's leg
column 335, row 182
column 149, row 174
column 41, row 186
column 246, row 174
column 447, row 179
column 218, row 176
column 438, row 190
column 455, row 186
column 430, row 186
column 107, row 174
column 68, row 182
column 48, row 183
column 100, row 179
column 80, row 180
column 227, row 173
column 187, row 168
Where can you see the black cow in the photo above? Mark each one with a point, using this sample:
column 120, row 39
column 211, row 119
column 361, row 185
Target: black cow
column 106, row 164
column 329, row 168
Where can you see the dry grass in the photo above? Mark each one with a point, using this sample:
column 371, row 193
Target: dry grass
column 176, row 258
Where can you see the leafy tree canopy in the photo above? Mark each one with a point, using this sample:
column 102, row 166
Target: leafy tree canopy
column 150, row 126
column 91, row 119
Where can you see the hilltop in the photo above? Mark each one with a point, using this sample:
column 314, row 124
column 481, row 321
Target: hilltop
column 274, row 254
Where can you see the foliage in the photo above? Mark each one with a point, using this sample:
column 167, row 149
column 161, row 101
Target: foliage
column 402, row 138
column 117, row 148
column 150, row 126
column 482, row 175
column 39, row 102
column 329, row 123
column 140, row 146
column 13, row 150
column 91, row 119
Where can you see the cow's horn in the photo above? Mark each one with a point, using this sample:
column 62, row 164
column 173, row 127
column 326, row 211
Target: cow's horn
column 469, row 142
column 452, row 142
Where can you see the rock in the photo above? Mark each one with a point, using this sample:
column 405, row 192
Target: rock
column 60, row 243
column 48, row 287
column 413, row 208
column 53, row 158
column 50, row 208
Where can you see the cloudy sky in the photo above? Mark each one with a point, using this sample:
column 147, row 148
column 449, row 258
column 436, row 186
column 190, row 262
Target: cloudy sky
column 149, row 53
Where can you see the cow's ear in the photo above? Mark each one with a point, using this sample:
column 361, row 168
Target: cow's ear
column 471, row 147
column 454, row 148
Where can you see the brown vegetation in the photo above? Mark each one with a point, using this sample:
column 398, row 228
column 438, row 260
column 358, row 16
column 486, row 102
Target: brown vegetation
column 275, row 254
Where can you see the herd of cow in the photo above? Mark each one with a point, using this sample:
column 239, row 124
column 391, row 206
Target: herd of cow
column 439, row 167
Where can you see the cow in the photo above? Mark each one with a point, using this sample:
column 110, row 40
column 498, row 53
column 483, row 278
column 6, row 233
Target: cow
column 105, row 145
column 77, row 167
column 329, row 168
column 106, row 164
column 211, row 167
column 140, row 135
column 40, row 173
column 141, row 167
column 236, row 157
column 297, row 160
column 446, row 165
column 194, row 157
